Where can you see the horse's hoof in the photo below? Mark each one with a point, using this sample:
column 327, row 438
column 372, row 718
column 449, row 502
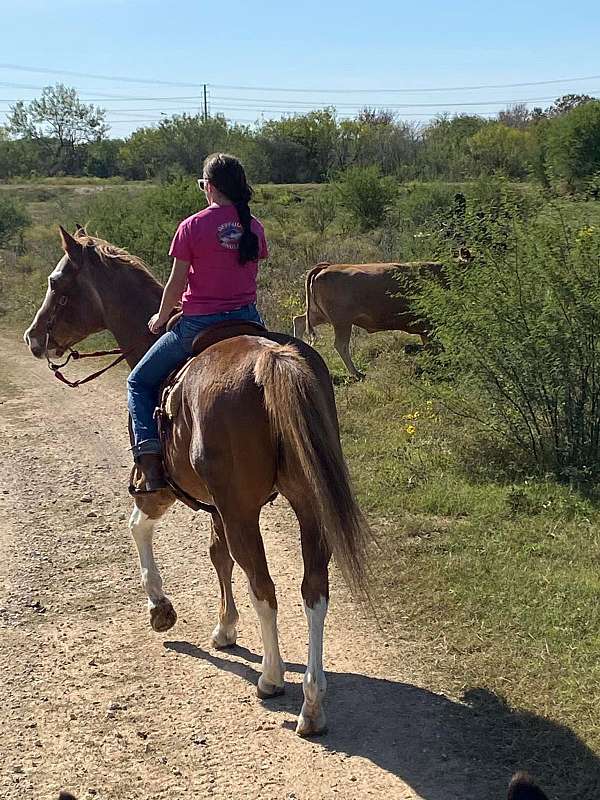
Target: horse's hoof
column 222, row 637
column 311, row 726
column 162, row 616
column 266, row 690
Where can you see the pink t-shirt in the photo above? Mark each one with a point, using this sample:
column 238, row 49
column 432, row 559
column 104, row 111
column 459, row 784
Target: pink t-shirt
column 216, row 280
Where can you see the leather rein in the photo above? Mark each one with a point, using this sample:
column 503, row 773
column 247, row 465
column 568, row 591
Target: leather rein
column 76, row 355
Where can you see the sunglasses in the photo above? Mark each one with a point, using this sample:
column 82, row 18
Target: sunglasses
column 202, row 184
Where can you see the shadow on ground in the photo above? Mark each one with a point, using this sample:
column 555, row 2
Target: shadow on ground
column 443, row 749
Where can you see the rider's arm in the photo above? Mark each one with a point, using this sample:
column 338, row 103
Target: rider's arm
column 173, row 290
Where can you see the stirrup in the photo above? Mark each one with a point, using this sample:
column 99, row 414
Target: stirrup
column 146, row 485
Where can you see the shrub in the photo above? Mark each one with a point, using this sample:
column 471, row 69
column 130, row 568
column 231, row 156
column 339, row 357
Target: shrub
column 319, row 210
column 520, row 331
column 145, row 223
column 13, row 220
column 573, row 144
column 366, row 195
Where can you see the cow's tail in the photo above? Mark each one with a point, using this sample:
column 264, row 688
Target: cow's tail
column 310, row 331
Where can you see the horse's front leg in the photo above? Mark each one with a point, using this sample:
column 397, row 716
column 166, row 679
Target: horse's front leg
column 141, row 525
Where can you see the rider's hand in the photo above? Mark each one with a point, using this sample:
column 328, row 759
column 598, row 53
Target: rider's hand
column 155, row 323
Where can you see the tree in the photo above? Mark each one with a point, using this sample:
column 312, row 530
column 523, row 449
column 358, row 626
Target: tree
column 102, row 158
column 60, row 119
column 566, row 103
column 317, row 132
column 177, row 145
column 376, row 138
column 498, row 148
column 573, row 144
column 517, row 116
column 444, row 152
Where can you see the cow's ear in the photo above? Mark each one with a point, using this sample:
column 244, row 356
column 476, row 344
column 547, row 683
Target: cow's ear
column 71, row 247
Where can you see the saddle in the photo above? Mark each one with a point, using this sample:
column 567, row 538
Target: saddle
column 171, row 392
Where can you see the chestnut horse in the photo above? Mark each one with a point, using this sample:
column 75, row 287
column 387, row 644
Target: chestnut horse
column 257, row 415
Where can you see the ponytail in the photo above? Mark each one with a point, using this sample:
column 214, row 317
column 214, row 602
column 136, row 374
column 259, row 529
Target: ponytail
column 227, row 174
column 248, row 244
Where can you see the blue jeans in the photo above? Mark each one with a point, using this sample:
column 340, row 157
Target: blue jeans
column 170, row 351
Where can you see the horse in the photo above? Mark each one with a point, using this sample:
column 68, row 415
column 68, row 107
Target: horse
column 257, row 416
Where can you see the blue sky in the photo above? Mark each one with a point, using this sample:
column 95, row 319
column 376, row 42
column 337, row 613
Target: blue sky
column 310, row 46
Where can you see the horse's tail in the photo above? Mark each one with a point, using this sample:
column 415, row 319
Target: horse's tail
column 523, row 788
column 308, row 285
column 304, row 423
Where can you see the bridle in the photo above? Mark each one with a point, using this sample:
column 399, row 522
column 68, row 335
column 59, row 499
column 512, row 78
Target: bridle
column 75, row 354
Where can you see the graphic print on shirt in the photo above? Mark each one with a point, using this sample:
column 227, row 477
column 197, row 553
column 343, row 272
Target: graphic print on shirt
column 229, row 234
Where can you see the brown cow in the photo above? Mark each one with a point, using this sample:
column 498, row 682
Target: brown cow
column 370, row 296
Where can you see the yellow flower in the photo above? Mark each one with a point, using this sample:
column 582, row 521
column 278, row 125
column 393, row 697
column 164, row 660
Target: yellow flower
column 587, row 232
column 410, row 429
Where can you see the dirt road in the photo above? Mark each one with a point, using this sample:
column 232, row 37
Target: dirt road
column 93, row 701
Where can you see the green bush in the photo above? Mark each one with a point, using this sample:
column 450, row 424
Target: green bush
column 520, row 331
column 419, row 202
column 500, row 149
column 319, row 210
column 13, row 220
column 144, row 223
column 366, row 195
column 573, row 145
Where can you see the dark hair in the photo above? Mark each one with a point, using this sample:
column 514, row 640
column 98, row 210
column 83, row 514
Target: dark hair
column 227, row 175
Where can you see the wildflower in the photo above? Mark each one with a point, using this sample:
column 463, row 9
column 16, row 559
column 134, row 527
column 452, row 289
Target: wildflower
column 586, row 233
column 410, row 429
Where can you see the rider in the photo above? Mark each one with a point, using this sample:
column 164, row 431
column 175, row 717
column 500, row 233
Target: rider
column 216, row 254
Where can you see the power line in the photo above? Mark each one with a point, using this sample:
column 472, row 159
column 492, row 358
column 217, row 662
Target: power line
column 154, row 81
column 245, row 104
column 119, row 78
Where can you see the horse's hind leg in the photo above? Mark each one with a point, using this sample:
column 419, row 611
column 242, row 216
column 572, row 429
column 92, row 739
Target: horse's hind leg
column 225, row 633
column 141, row 525
column 315, row 593
column 246, row 547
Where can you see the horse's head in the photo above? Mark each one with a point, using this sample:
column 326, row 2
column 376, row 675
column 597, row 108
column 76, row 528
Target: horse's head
column 71, row 309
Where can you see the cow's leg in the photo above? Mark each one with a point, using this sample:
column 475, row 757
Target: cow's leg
column 141, row 525
column 225, row 633
column 299, row 323
column 342, row 345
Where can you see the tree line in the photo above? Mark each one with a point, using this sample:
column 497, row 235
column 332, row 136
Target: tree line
column 58, row 134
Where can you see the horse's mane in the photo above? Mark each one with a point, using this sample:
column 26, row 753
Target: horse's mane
column 110, row 253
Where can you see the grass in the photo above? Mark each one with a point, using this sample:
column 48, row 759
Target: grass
column 499, row 579
column 493, row 571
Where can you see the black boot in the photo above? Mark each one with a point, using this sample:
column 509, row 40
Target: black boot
column 153, row 474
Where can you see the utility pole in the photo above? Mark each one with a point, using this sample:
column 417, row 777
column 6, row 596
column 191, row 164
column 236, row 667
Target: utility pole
column 205, row 114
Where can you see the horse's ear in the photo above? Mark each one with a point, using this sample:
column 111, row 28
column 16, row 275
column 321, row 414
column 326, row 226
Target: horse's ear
column 71, row 246
column 80, row 228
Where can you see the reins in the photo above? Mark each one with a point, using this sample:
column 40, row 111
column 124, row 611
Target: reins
column 76, row 355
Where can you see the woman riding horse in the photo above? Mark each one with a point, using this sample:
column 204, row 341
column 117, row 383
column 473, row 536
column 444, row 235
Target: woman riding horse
column 216, row 254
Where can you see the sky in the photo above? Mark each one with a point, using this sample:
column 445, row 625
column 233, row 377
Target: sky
column 268, row 59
